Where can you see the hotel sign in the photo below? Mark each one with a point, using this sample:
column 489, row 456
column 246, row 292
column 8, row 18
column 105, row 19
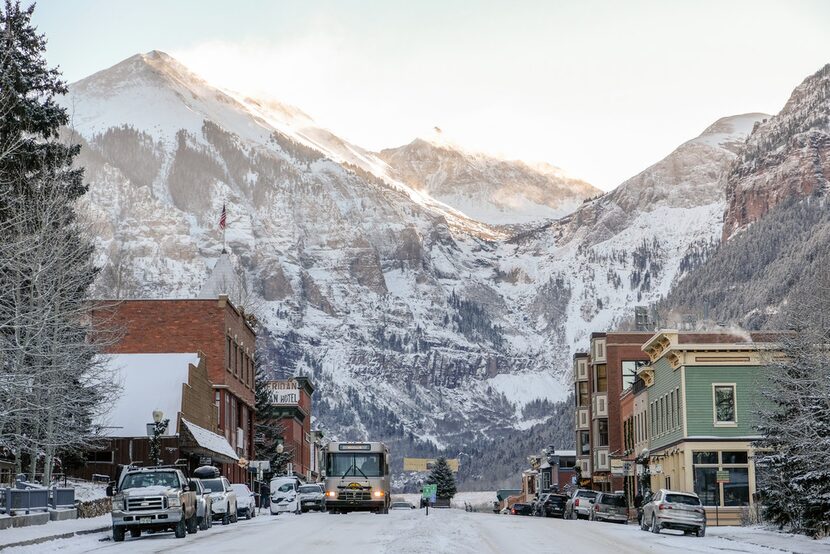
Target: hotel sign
column 284, row 393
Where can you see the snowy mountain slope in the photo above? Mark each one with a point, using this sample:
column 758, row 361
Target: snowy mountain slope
column 486, row 188
column 418, row 324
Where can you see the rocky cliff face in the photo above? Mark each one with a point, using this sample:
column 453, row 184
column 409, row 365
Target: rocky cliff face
column 786, row 156
column 418, row 324
column 485, row 188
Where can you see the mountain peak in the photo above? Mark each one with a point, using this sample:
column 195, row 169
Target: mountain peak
column 730, row 132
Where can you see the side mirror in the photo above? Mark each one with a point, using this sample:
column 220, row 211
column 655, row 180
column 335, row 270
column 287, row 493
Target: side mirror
column 110, row 489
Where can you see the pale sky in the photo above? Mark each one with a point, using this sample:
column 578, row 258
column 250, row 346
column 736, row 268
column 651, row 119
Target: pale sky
column 601, row 89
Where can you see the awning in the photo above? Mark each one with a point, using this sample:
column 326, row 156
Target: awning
column 199, row 440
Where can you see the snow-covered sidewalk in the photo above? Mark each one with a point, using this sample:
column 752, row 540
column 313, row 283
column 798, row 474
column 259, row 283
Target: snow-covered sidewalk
column 66, row 528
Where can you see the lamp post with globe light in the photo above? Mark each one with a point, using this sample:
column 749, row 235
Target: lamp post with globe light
column 159, row 427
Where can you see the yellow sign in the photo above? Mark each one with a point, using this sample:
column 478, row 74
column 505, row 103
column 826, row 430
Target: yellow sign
column 426, row 464
column 243, row 462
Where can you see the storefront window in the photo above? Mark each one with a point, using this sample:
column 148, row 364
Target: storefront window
column 736, row 491
column 706, row 485
column 734, row 457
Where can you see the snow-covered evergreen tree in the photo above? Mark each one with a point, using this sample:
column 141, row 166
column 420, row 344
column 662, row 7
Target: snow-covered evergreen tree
column 442, row 476
column 48, row 348
column 794, row 478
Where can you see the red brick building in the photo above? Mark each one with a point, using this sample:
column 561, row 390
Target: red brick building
column 213, row 327
column 607, row 371
column 292, row 397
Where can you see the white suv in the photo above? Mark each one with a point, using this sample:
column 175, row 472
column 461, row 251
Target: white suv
column 245, row 500
column 580, row 503
column 223, row 499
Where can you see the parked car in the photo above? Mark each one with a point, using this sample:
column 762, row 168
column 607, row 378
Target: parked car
column 401, row 505
column 312, row 497
column 204, row 515
column 610, row 507
column 550, row 505
column 579, row 504
column 157, row 499
column 284, row 495
column 223, row 499
column 245, row 500
column 674, row 510
column 521, row 509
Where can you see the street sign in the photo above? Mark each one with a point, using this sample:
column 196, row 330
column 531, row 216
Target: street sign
column 430, row 492
column 722, row 476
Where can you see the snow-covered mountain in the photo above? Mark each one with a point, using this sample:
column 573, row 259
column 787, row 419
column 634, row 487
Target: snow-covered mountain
column 419, row 324
column 486, row 188
column 788, row 156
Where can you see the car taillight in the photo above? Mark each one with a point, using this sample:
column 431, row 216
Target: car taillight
column 664, row 507
column 331, row 494
column 576, row 502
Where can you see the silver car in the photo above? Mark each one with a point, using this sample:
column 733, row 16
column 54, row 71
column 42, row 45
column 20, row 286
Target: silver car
column 579, row 504
column 674, row 510
column 203, row 505
column 609, row 507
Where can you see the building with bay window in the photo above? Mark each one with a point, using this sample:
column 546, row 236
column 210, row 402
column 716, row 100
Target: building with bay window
column 702, row 393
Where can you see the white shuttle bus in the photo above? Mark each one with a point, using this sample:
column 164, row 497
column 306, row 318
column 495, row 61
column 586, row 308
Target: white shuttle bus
column 357, row 477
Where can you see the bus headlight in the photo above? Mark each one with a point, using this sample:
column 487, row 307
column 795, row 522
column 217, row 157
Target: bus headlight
column 378, row 494
column 331, row 494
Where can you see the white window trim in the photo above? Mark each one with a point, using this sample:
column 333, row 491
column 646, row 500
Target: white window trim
column 715, row 421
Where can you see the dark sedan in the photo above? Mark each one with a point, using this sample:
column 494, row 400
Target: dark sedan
column 520, row 509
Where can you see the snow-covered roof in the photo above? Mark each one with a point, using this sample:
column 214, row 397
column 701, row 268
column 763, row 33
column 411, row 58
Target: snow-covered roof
column 210, row 440
column 148, row 382
column 223, row 279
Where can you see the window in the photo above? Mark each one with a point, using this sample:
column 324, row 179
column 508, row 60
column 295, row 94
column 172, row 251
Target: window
column 583, row 394
column 217, row 400
column 584, row 443
column 672, row 423
column 229, row 354
column 734, row 492
column 724, row 404
column 99, row 457
column 601, row 380
column 629, row 372
column 602, row 432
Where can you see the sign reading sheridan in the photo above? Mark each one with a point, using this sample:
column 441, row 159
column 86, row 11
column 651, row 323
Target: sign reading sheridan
column 284, row 393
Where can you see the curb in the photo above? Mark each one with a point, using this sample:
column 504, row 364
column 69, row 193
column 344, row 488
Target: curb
column 48, row 538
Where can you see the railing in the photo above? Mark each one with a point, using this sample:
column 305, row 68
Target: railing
column 27, row 498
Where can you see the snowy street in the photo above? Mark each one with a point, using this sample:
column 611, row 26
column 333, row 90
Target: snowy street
column 443, row 531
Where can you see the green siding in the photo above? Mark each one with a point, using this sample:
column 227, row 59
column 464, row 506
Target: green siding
column 699, row 379
column 666, row 380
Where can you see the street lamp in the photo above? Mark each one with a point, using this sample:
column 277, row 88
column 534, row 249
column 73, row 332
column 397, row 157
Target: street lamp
column 159, row 427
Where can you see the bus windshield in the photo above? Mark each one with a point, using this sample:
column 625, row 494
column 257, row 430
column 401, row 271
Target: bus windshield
column 354, row 465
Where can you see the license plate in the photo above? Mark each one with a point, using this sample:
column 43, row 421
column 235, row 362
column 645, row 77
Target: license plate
column 145, row 520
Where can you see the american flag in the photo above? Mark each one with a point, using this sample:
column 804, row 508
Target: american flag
column 222, row 218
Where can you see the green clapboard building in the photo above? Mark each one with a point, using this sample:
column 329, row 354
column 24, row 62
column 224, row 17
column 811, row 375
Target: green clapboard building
column 703, row 391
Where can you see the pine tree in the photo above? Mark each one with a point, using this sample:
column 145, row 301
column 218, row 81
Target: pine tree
column 30, row 153
column 794, row 479
column 442, row 476
column 47, row 343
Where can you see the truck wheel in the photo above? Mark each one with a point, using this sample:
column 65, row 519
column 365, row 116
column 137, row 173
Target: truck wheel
column 118, row 533
column 135, row 532
column 180, row 529
column 203, row 524
column 192, row 525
